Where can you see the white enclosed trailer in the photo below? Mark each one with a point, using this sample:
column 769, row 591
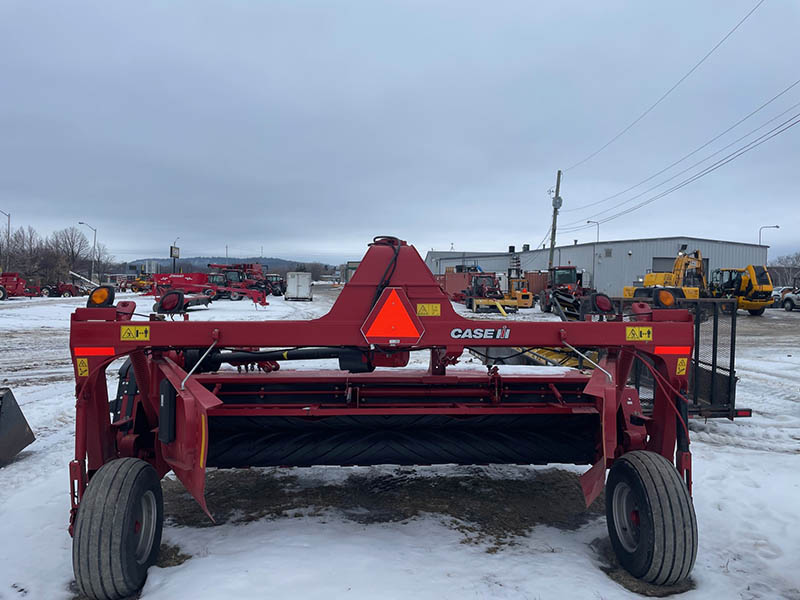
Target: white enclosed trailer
column 298, row 286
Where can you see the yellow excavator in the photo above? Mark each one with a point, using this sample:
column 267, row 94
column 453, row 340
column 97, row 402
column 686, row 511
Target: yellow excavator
column 751, row 286
column 687, row 276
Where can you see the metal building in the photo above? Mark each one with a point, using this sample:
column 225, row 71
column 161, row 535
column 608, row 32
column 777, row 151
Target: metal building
column 610, row 266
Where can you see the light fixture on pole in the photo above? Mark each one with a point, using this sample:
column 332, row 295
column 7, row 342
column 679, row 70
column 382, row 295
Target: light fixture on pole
column 174, row 252
column 8, row 238
column 760, row 229
column 94, row 247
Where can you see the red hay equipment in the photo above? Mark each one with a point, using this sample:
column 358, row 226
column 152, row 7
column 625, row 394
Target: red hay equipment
column 180, row 409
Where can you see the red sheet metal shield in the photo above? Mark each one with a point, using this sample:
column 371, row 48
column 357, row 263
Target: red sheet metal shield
column 392, row 321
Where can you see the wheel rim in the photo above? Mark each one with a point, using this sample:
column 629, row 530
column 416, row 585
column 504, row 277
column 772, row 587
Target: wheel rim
column 144, row 526
column 626, row 516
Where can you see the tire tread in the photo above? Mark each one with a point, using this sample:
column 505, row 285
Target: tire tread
column 674, row 521
column 97, row 545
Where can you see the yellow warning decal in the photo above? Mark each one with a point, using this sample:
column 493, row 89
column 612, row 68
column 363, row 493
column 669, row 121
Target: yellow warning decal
column 83, row 367
column 429, row 310
column 639, row 334
column 134, row 333
column 681, row 368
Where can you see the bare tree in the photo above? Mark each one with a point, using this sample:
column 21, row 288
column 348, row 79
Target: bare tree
column 73, row 246
column 788, row 269
column 103, row 261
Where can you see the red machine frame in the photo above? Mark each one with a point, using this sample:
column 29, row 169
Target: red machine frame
column 17, row 286
column 391, row 306
column 197, row 283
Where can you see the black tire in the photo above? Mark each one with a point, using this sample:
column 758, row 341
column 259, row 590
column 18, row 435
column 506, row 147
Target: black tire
column 788, row 305
column 211, row 293
column 756, row 312
column 117, row 529
column 46, row 292
column 3, row 293
column 650, row 518
column 66, row 294
column 236, row 296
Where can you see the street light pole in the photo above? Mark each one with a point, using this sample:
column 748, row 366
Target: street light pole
column 594, row 252
column 94, row 248
column 8, row 238
column 766, row 227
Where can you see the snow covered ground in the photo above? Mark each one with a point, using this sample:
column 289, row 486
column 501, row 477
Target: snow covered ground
column 401, row 533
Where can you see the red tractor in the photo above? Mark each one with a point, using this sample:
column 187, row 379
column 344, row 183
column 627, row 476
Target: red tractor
column 251, row 276
column 64, row 290
column 213, row 285
column 564, row 285
column 12, row 285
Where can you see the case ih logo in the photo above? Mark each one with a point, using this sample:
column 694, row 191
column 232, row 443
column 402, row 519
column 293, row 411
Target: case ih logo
column 480, row 334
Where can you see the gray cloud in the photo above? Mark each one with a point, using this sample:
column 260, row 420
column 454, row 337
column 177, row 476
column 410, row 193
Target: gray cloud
column 307, row 128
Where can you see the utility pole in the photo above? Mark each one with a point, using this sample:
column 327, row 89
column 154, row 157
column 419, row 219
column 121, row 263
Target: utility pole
column 8, row 238
column 557, row 202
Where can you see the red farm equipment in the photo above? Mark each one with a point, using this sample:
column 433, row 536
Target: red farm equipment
column 13, row 285
column 185, row 404
column 563, row 292
column 212, row 285
column 64, row 290
column 252, row 276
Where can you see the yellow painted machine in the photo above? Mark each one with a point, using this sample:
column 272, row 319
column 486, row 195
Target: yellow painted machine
column 751, row 286
column 687, row 275
column 518, row 293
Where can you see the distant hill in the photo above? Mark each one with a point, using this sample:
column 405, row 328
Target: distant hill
column 203, row 261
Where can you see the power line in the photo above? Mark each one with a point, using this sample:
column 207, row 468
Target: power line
column 689, row 168
column 669, row 91
column 786, row 125
column 692, row 153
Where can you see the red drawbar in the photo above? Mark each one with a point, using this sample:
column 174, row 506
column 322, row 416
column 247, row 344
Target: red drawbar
column 673, row 350
column 393, row 320
column 95, row 351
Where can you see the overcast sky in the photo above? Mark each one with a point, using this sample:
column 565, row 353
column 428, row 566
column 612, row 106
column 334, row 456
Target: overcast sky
column 310, row 127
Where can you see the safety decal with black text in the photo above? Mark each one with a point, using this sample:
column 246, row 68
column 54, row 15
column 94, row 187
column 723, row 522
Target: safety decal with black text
column 134, row 333
column 83, row 367
column 681, row 368
column 639, row 334
column 429, row 310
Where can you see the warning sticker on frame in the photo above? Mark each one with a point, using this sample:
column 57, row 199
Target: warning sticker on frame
column 134, row 333
column 83, row 367
column 429, row 310
column 639, row 334
column 681, row 368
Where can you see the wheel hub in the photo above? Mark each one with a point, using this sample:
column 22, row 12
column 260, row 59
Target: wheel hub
column 144, row 526
column 626, row 516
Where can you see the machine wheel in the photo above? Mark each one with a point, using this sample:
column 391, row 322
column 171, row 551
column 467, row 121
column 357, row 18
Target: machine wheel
column 236, row 296
column 46, row 292
column 3, row 293
column 117, row 529
column 788, row 305
column 756, row 312
column 210, row 293
column 650, row 518
column 66, row 294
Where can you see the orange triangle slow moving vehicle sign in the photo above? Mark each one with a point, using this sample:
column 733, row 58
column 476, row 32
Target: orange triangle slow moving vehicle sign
column 393, row 323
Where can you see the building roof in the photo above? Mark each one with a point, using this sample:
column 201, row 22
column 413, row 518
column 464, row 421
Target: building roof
column 434, row 254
